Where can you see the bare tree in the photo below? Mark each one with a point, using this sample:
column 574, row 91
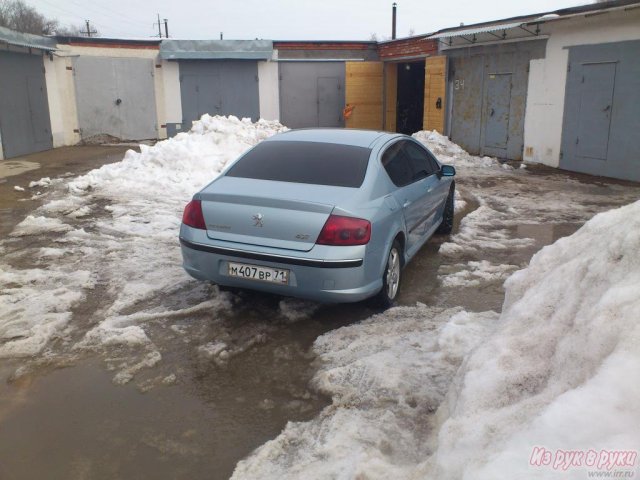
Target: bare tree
column 17, row 15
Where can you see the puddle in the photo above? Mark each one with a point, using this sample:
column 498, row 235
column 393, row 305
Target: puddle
column 9, row 168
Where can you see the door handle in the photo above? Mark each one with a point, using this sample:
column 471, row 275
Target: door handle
column 492, row 112
column 406, row 203
column 118, row 101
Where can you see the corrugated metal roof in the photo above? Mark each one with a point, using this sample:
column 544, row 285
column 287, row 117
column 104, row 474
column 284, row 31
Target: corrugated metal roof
column 477, row 30
column 27, row 40
column 216, row 49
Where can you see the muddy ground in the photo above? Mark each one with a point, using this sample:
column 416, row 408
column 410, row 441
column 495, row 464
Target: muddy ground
column 196, row 413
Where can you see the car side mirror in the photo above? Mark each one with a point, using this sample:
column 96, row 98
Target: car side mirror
column 447, row 171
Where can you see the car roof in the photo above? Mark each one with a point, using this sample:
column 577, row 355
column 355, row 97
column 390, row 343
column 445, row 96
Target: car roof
column 342, row 136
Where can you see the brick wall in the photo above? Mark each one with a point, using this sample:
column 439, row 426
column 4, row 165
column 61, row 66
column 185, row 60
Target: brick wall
column 407, row 47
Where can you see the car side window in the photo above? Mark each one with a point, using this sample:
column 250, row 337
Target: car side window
column 422, row 164
column 397, row 165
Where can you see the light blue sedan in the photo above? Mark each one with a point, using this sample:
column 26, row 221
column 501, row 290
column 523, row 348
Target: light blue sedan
column 324, row 214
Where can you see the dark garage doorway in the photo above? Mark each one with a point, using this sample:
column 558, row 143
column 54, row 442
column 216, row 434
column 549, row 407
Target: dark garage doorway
column 410, row 104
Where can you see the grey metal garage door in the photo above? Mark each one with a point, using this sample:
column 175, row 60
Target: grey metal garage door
column 219, row 87
column 25, row 125
column 489, row 90
column 601, row 116
column 311, row 94
column 115, row 96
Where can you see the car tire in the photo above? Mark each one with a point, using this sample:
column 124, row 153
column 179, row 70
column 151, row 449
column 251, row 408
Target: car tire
column 446, row 226
column 390, row 278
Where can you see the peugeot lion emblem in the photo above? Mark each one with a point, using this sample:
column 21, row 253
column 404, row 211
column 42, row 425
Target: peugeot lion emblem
column 257, row 218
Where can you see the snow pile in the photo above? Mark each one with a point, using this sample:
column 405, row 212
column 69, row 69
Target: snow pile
column 561, row 369
column 557, row 369
column 386, row 376
column 43, row 182
column 116, row 228
column 473, row 273
column 450, row 153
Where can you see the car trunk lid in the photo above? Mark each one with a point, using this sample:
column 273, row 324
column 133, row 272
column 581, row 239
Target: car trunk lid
column 266, row 213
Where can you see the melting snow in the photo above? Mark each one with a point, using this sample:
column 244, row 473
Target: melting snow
column 125, row 244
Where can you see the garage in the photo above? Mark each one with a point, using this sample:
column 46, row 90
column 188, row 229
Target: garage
column 488, row 91
column 313, row 77
column 219, row 87
column 311, row 93
column 115, row 97
column 402, row 92
column 601, row 117
column 220, row 77
column 25, row 125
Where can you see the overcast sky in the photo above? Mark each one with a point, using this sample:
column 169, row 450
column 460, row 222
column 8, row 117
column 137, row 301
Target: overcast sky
column 284, row 19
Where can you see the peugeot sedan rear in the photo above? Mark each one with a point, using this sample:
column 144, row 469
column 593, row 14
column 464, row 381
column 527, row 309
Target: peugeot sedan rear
column 324, row 214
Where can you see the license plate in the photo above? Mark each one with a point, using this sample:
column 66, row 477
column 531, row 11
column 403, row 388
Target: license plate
column 261, row 274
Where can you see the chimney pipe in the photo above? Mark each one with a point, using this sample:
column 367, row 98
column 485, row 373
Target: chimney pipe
column 393, row 21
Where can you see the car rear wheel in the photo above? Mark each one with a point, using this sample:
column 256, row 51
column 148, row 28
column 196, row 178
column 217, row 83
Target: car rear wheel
column 391, row 277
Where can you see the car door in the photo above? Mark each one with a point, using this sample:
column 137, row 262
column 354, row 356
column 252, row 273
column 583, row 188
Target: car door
column 409, row 194
column 433, row 189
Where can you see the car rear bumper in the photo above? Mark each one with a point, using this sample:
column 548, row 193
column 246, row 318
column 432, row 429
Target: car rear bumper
column 332, row 280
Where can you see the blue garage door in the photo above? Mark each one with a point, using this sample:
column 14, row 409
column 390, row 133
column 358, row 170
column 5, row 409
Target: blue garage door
column 601, row 116
column 25, row 125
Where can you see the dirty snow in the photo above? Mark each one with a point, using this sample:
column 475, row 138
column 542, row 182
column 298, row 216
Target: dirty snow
column 389, row 375
column 105, row 244
column 557, row 369
column 386, row 376
column 561, row 368
column 114, row 228
column 43, row 182
column 473, row 273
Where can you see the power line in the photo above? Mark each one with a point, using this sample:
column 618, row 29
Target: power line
column 100, row 25
column 112, row 14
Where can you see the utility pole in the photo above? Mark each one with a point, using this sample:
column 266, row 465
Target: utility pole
column 159, row 26
column 89, row 30
column 166, row 28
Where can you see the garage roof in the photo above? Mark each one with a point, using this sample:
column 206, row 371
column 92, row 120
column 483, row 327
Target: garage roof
column 475, row 31
column 27, row 40
column 216, row 49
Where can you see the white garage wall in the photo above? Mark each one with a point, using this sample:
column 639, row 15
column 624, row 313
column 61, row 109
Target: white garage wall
column 62, row 100
column 268, row 91
column 547, row 77
column 171, row 87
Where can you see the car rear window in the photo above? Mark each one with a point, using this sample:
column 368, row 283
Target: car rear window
column 304, row 162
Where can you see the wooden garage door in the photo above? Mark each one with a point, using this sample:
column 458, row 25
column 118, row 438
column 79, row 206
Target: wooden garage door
column 363, row 92
column 434, row 93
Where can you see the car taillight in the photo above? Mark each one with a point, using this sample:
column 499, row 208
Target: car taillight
column 340, row 230
column 192, row 215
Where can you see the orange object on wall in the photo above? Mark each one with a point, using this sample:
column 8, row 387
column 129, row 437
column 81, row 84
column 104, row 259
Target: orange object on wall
column 346, row 112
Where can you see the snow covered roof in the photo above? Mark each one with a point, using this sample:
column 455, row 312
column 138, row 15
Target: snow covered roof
column 27, row 40
column 216, row 49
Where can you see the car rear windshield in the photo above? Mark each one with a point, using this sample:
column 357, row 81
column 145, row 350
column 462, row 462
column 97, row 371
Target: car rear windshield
column 304, row 162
